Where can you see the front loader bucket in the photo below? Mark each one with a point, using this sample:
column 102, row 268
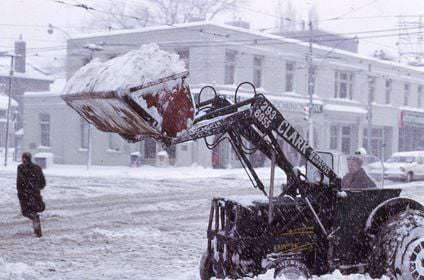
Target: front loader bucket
column 158, row 109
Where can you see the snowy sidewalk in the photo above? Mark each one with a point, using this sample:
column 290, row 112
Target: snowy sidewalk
column 145, row 172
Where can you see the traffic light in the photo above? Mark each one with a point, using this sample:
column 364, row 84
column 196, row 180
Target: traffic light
column 306, row 113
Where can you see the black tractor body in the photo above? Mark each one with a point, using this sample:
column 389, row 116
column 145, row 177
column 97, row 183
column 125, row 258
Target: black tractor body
column 242, row 242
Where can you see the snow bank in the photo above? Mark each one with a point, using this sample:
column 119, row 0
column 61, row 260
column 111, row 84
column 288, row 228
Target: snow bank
column 146, row 64
column 16, row 271
column 151, row 172
column 127, row 233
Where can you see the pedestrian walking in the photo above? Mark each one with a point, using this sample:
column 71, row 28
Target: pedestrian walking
column 29, row 183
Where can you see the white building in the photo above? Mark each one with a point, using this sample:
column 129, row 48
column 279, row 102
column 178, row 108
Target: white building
column 223, row 56
column 4, row 101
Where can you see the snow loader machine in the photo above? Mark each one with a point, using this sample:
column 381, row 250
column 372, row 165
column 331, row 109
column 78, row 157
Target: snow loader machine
column 313, row 227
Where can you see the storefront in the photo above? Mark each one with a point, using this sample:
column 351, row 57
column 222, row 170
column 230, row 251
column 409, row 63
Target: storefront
column 292, row 108
column 411, row 131
column 381, row 141
column 343, row 127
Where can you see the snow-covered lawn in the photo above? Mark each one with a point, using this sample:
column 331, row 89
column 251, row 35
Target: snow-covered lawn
column 120, row 223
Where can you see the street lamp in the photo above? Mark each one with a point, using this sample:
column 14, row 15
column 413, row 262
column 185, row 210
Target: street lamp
column 9, row 102
column 92, row 48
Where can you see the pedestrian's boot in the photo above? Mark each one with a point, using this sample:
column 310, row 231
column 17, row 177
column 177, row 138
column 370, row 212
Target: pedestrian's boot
column 36, row 224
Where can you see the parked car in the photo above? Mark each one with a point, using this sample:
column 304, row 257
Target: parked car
column 406, row 166
column 373, row 166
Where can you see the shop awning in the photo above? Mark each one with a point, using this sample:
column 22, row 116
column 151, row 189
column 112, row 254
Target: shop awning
column 344, row 109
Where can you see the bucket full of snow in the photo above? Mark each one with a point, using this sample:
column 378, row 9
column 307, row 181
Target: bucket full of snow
column 143, row 93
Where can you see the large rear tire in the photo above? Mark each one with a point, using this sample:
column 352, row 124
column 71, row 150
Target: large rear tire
column 291, row 270
column 399, row 249
column 205, row 267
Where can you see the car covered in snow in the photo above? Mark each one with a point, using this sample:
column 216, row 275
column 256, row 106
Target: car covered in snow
column 407, row 166
column 373, row 166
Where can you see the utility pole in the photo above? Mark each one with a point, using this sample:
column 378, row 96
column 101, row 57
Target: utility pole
column 92, row 48
column 90, row 147
column 311, row 85
column 369, row 108
column 9, row 103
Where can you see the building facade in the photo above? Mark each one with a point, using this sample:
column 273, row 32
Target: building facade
column 26, row 77
column 349, row 90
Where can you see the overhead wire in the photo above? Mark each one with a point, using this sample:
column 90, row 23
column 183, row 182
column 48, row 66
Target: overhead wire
column 255, row 42
column 263, row 13
column 369, row 17
column 317, row 36
column 91, row 8
column 88, row 8
column 221, row 43
column 372, row 2
column 37, row 26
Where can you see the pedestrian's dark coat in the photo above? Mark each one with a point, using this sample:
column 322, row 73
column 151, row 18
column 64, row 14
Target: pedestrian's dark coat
column 358, row 180
column 29, row 182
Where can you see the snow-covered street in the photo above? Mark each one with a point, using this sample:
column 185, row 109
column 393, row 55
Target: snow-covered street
column 100, row 227
column 111, row 228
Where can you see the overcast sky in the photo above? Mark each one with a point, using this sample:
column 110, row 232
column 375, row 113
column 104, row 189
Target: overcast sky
column 31, row 17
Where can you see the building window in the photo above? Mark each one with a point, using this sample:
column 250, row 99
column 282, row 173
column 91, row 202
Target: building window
column 84, row 134
column 334, row 131
column 377, row 140
column 388, row 90
column 411, row 138
column 290, row 72
column 406, row 94
column 346, row 139
column 230, row 67
column 420, row 96
column 371, row 89
column 257, row 70
column 343, row 85
column 114, row 142
column 149, row 148
column 45, row 129
column 184, row 55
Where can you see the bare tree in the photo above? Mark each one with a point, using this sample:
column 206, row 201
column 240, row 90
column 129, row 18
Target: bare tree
column 172, row 11
column 121, row 14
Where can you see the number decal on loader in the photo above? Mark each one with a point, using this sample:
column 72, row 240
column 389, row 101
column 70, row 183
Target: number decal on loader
column 265, row 114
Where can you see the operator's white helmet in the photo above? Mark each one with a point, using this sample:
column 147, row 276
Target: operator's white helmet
column 361, row 151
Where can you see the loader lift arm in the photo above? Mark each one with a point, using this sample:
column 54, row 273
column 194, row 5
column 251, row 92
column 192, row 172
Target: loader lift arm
column 257, row 121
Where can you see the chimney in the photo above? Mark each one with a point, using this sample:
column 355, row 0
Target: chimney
column 20, row 49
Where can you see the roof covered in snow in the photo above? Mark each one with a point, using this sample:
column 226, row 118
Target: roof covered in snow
column 255, row 35
column 4, row 100
column 56, row 89
column 32, row 72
